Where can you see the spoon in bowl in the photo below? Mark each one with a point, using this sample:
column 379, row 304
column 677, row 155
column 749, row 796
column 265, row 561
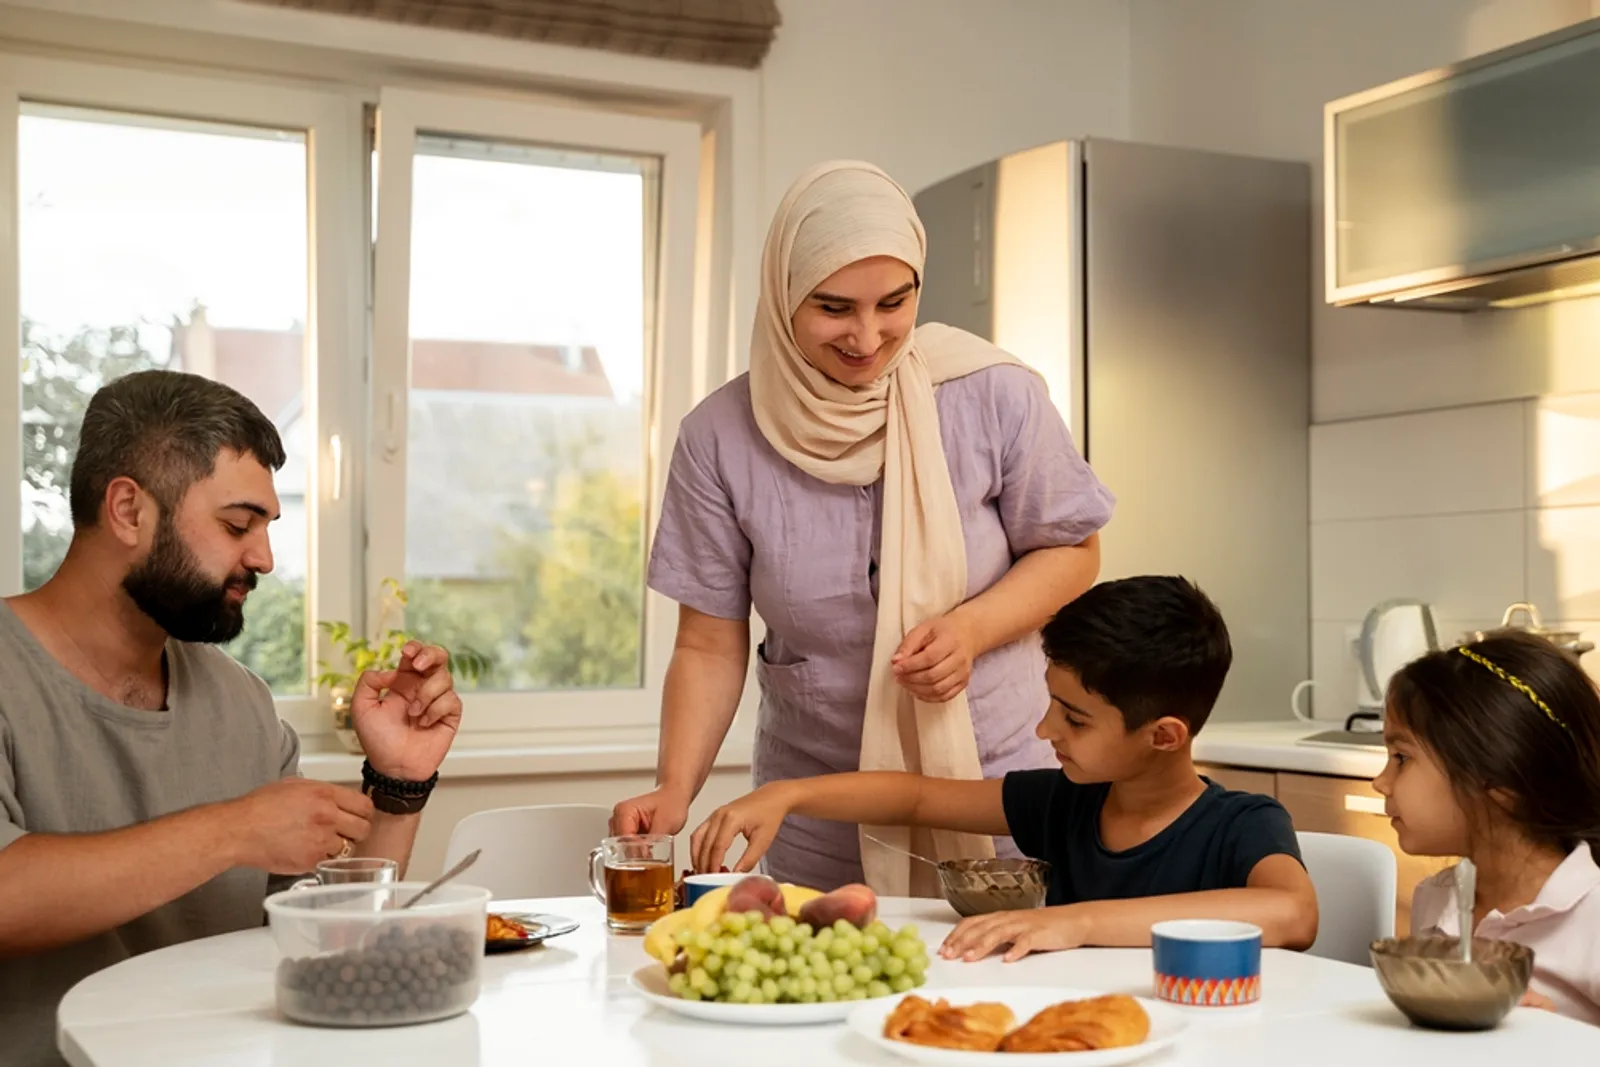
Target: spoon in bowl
column 903, row 852
column 1466, row 901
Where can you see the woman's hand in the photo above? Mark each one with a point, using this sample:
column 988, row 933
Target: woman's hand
column 663, row 810
column 757, row 816
column 934, row 662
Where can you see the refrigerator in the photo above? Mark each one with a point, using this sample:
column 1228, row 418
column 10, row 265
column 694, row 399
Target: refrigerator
column 1164, row 294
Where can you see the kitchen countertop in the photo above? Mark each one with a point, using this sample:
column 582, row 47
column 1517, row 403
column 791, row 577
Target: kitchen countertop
column 1269, row 745
column 1273, row 746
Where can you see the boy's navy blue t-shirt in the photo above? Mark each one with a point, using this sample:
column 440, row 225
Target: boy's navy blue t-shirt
column 1215, row 844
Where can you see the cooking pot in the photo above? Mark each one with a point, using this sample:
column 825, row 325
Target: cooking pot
column 1567, row 640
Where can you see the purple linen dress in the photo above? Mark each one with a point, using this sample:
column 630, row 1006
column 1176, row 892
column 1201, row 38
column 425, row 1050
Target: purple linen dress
column 741, row 524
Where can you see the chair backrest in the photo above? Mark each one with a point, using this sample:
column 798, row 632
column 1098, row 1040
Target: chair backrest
column 536, row 851
column 1355, row 882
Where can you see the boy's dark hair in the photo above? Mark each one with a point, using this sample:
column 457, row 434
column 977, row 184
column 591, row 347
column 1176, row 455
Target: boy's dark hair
column 1488, row 735
column 1151, row 646
column 164, row 430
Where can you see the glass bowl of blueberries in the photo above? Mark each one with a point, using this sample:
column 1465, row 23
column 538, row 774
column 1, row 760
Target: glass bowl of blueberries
column 351, row 956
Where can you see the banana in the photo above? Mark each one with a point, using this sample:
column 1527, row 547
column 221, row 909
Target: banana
column 709, row 908
column 660, row 940
column 796, row 897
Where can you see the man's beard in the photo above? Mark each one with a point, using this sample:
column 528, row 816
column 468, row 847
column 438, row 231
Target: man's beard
column 171, row 588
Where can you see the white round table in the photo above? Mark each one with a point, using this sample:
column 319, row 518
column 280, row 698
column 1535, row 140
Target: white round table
column 568, row 1002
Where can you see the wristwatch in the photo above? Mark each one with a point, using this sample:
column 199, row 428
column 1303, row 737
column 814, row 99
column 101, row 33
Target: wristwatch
column 395, row 796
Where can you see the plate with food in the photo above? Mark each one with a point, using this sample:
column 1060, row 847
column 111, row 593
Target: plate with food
column 763, row 954
column 1019, row 1025
column 513, row 930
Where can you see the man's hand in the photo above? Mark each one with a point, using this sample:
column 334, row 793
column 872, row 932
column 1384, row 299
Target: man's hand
column 407, row 718
column 1040, row 930
column 934, row 662
column 291, row 825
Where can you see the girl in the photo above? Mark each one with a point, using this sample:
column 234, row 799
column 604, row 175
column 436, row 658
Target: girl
column 1494, row 754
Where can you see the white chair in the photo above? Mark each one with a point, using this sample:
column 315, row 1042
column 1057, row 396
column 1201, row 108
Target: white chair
column 1355, row 882
column 541, row 850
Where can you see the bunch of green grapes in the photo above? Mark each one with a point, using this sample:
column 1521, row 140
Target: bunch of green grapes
column 745, row 958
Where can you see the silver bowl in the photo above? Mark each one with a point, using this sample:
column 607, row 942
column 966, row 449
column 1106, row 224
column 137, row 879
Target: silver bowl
column 1427, row 980
column 977, row 887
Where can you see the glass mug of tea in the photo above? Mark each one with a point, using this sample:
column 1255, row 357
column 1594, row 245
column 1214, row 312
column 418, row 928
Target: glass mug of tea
column 632, row 877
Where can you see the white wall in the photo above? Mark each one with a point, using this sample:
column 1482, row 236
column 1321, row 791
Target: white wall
column 926, row 88
column 1454, row 458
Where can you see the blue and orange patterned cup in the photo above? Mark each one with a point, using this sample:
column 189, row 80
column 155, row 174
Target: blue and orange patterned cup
column 1207, row 963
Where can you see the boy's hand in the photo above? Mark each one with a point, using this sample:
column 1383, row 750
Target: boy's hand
column 1039, row 930
column 757, row 816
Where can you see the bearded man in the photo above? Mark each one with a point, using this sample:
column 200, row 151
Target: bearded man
column 149, row 794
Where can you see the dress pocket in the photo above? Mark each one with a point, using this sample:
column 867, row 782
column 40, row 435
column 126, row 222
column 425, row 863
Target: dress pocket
column 786, row 694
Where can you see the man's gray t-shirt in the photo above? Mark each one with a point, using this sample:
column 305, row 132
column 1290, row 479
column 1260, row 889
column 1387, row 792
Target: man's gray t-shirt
column 73, row 761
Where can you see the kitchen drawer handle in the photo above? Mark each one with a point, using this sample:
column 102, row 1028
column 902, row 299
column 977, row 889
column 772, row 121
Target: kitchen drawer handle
column 1365, row 805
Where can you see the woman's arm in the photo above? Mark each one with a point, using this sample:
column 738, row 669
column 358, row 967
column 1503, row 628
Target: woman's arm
column 1029, row 594
column 935, row 660
column 705, row 679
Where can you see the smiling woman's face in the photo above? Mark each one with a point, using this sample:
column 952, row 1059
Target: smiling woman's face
column 850, row 325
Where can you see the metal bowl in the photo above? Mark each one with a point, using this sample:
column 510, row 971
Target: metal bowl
column 977, row 887
column 1427, row 980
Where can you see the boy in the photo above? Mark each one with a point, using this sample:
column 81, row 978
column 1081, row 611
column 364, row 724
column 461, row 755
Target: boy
column 1132, row 833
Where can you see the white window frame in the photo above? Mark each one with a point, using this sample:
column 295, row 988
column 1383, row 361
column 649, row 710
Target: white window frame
column 243, row 42
column 670, row 373
column 333, row 122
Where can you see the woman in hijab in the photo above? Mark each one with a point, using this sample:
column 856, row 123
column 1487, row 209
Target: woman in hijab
column 903, row 506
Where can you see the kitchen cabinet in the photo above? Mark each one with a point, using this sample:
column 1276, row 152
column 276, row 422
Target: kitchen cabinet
column 1320, row 803
column 1241, row 779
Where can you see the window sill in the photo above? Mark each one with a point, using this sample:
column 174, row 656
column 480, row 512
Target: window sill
column 476, row 758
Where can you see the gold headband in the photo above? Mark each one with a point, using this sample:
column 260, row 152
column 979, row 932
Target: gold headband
column 1517, row 683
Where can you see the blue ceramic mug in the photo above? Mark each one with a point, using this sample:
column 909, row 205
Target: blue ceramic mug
column 1207, row 963
column 696, row 886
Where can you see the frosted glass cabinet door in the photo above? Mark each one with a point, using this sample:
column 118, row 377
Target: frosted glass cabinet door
column 1459, row 171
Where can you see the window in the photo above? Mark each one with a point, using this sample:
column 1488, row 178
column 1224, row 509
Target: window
column 478, row 362
column 153, row 243
column 533, row 273
column 525, row 431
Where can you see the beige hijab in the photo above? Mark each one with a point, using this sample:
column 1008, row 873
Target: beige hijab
column 833, row 215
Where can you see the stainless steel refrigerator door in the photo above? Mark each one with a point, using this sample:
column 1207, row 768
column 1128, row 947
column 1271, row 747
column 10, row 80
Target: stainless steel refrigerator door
column 1198, row 316
column 1005, row 248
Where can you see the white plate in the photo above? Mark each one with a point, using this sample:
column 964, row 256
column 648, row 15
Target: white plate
column 1025, row 1002
column 650, row 982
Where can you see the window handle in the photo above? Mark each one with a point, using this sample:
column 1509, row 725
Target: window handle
column 391, row 444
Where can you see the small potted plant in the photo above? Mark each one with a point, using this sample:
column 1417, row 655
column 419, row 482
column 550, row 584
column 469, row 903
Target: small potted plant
column 379, row 654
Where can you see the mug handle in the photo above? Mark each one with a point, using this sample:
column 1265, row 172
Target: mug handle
column 1294, row 700
column 304, row 883
column 596, row 886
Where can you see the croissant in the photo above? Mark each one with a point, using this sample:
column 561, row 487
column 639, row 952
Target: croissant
column 977, row 1028
column 1082, row 1025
